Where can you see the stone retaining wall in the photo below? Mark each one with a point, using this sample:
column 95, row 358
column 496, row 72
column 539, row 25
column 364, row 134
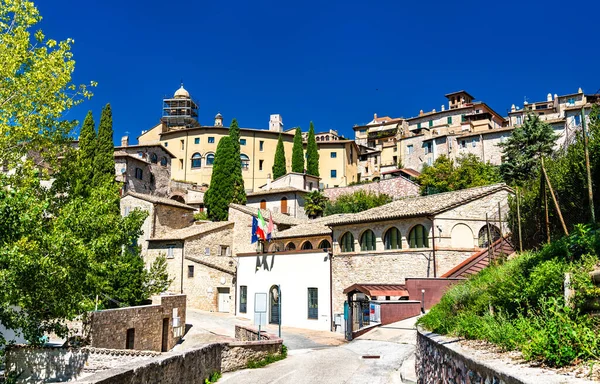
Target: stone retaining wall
column 442, row 359
column 397, row 188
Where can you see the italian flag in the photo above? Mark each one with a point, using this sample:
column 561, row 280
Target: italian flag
column 262, row 230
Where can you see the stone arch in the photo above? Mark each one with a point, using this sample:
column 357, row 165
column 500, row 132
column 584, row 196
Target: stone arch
column 179, row 198
column 306, row 245
column 461, row 236
column 290, row 246
column 483, row 235
column 324, row 244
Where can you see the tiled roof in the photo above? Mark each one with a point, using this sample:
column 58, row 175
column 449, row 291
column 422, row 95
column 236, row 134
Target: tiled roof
column 158, row 200
column 278, row 218
column 378, row 289
column 417, row 206
column 125, row 154
column 277, row 190
column 193, row 230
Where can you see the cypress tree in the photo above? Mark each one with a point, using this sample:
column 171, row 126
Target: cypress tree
column 279, row 168
column 220, row 192
column 239, row 193
column 298, row 153
column 104, row 162
column 85, row 157
column 312, row 153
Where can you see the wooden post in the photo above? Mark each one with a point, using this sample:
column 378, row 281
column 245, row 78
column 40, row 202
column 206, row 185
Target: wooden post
column 490, row 250
column 519, row 221
column 500, row 221
column 546, row 209
column 587, row 166
column 560, row 216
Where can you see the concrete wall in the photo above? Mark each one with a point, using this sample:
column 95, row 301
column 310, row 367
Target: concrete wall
column 108, row 328
column 397, row 188
column 443, row 360
column 294, row 273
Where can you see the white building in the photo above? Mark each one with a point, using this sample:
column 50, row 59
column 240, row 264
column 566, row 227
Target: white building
column 304, row 280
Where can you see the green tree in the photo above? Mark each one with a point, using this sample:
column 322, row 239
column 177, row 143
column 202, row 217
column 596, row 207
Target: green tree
column 524, row 149
column 356, row 202
column 437, row 178
column 239, row 193
column 104, row 162
column 220, row 193
column 314, row 203
column 35, row 85
column 298, row 152
column 279, row 167
column 86, row 156
column 312, row 153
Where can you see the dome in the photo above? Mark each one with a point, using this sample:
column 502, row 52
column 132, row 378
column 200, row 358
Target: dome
column 182, row 93
column 218, row 116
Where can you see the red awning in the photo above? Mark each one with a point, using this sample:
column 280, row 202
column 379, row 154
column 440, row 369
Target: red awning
column 378, row 289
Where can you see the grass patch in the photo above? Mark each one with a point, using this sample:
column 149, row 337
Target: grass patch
column 213, row 378
column 519, row 305
column 270, row 358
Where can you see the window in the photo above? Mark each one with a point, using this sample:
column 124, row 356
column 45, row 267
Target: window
column 153, row 158
column 182, row 145
column 429, row 161
column 395, row 160
column 313, row 303
column 463, row 143
column 367, row 241
column 166, row 144
column 449, row 120
column 347, row 242
column 333, row 173
column 210, row 159
column 243, row 298
column 139, row 174
column 474, row 142
column 324, row 244
column 306, row 245
column 450, row 143
column 284, row 207
column 290, row 246
column 152, row 179
column 430, row 123
column 190, row 271
column 519, row 120
column 196, row 160
column 224, row 250
column 392, row 239
column 130, row 338
column 571, row 101
column 483, row 237
column 206, row 251
column 180, row 163
column 410, row 149
column 418, row 125
column 170, row 248
column 395, row 149
column 333, row 155
column 261, row 146
column 211, row 140
column 417, row 237
column 577, row 120
column 428, row 147
column 197, row 140
column 260, row 165
column 263, row 204
column 242, row 141
column 245, row 161
column 463, row 118
column 163, row 161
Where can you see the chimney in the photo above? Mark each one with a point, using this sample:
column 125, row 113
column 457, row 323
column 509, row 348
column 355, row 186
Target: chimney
column 580, row 90
column 276, row 123
column 421, row 112
column 443, row 107
column 549, row 97
column 125, row 141
column 268, row 182
column 513, row 108
column 218, row 120
column 374, row 116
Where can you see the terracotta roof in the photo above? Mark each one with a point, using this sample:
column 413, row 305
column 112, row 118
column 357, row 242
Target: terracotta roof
column 134, row 157
column 278, row 218
column 457, row 92
column 158, row 200
column 192, row 230
column 277, row 190
column 418, row 206
column 378, row 289
column 148, row 146
column 408, row 171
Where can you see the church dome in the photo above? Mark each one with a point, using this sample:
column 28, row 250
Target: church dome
column 182, row 93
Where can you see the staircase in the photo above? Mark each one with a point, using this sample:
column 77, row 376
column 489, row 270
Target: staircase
column 501, row 248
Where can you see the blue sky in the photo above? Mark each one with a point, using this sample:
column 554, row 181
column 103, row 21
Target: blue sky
column 333, row 62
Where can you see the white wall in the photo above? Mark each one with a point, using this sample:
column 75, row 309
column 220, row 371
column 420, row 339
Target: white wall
column 295, row 273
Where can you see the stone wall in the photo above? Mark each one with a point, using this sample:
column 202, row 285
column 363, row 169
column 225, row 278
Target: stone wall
column 442, row 359
column 108, row 328
column 170, row 217
column 130, row 203
column 397, row 188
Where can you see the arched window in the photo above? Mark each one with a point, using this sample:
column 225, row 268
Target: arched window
column 290, row 246
column 307, row 245
column 139, row 174
column 153, row 158
column 347, row 242
column 245, row 161
column 484, row 238
column 210, row 159
column 163, row 161
column 417, row 238
column 324, row 244
column 274, row 247
column 196, row 160
column 318, row 138
column 178, row 199
column 392, row 239
column 367, row 241
column 327, row 138
column 263, row 204
column 284, row 208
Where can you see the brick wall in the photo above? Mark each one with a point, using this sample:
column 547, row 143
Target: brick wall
column 397, row 188
column 108, row 328
column 434, row 289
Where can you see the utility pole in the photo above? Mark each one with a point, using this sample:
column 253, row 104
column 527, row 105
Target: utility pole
column 587, row 165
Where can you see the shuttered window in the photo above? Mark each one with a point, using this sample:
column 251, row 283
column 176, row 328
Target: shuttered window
column 243, row 298
column 392, row 239
column 367, row 241
column 313, row 303
column 418, row 237
column 347, row 242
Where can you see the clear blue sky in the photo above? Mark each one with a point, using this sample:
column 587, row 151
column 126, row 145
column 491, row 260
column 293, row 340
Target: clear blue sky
column 333, row 62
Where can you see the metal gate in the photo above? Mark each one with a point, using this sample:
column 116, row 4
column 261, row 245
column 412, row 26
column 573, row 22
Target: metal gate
column 360, row 314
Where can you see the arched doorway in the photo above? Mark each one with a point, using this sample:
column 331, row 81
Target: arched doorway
column 484, row 238
column 274, row 303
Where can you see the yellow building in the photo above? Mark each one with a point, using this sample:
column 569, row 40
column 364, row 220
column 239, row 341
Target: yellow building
column 194, row 147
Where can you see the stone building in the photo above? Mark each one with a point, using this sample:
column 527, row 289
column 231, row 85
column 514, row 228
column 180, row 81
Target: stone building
column 143, row 168
column 422, row 236
column 200, row 262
